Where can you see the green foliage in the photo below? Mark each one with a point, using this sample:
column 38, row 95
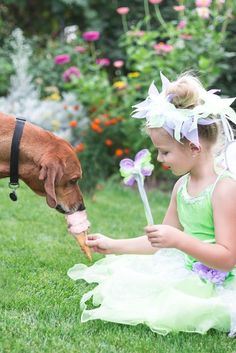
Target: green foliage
column 158, row 39
column 5, row 72
column 169, row 48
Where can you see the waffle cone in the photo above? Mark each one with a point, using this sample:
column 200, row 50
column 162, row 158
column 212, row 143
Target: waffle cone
column 81, row 239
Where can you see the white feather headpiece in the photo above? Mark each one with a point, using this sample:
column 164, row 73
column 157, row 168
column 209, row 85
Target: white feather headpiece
column 160, row 112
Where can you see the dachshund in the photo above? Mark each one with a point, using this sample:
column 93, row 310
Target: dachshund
column 47, row 164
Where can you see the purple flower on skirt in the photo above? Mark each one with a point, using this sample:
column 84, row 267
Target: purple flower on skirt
column 210, row 274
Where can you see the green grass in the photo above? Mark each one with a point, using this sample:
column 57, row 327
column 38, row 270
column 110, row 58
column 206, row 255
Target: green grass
column 39, row 303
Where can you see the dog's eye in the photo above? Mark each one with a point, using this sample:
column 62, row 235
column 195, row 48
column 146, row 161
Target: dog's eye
column 74, row 181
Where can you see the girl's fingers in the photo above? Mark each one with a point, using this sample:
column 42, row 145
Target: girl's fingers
column 92, row 236
column 154, row 237
column 153, row 232
column 92, row 243
column 149, row 229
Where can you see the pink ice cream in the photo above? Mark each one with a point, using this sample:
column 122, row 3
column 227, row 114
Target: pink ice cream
column 78, row 225
column 78, row 222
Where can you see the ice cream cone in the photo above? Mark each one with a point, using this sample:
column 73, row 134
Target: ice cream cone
column 81, row 238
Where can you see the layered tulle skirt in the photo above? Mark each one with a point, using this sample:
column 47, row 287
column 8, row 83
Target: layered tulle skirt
column 158, row 291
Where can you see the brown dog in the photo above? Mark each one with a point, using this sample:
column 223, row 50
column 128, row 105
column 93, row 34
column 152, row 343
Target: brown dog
column 47, row 164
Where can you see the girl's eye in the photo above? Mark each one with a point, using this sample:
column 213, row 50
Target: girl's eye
column 164, row 153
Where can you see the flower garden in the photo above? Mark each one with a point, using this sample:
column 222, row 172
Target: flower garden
column 86, row 91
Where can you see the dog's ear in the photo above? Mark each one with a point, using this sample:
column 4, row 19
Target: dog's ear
column 51, row 173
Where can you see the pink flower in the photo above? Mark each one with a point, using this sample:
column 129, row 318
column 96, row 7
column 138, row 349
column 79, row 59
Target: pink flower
column 118, row 64
column 91, row 36
column 80, row 49
column 136, row 33
column 203, row 3
column 71, row 71
column 162, row 48
column 179, row 8
column 186, row 36
column 62, row 59
column 155, row 1
column 203, row 12
column 103, row 61
column 122, row 10
column 181, row 24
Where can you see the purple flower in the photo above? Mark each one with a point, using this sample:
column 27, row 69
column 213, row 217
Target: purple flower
column 103, row 61
column 62, row 59
column 210, row 274
column 142, row 155
column 129, row 181
column 126, row 170
column 146, row 171
column 72, row 71
column 127, row 163
column 91, row 36
column 141, row 165
column 136, row 170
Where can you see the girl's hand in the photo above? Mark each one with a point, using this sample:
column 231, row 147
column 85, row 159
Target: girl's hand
column 100, row 243
column 163, row 236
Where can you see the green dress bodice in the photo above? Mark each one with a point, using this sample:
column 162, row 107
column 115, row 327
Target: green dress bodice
column 196, row 214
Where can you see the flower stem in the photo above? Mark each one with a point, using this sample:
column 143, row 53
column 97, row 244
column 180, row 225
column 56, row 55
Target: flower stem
column 92, row 50
column 159, row 16
column 124, row 23
column 147, row 14
column 226, row 22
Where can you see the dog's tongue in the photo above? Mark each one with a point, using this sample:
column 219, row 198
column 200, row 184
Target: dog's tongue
column 78, row 222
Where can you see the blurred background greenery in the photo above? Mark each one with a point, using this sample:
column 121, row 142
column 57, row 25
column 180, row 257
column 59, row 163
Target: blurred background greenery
column 106, row 54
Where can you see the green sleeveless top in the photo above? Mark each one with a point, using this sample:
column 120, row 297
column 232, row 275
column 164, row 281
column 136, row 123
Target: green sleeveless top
column 195, row 213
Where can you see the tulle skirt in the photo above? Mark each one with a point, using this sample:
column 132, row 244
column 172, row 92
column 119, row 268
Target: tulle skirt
column 158, row 291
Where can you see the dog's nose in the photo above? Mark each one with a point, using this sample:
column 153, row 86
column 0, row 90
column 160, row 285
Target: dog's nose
column 81, row 207
column 60, row 209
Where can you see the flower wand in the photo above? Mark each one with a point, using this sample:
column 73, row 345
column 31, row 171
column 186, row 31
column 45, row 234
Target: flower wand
column 136, row 171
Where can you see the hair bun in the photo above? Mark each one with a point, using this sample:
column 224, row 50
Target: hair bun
column 186, row 91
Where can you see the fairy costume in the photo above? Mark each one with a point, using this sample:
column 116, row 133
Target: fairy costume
column 162, row 290
column 167, row 291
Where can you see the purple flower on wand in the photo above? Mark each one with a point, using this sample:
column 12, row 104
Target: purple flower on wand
column 136, row 171
column 210, row 274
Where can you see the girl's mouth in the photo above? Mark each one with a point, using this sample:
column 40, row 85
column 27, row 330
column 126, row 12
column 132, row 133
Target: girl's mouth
column 165, row 167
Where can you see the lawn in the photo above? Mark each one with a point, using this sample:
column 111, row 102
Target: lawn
column 39, row 303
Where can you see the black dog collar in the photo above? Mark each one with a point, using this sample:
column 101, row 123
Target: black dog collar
column 14, row 158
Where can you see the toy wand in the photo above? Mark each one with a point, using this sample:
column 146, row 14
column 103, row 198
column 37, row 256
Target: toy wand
column 136, row 171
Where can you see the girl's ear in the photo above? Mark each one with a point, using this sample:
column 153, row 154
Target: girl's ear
column 195, row 149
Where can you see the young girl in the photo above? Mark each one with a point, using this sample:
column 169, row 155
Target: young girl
column 187, row 283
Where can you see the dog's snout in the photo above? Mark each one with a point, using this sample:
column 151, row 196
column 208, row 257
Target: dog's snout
column 60, row 209
column 81, row 207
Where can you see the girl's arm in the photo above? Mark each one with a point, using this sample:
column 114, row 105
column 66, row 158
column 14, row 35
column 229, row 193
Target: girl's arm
column 105, row 245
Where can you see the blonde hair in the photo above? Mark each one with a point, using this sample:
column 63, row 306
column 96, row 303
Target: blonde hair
column 186, row 91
